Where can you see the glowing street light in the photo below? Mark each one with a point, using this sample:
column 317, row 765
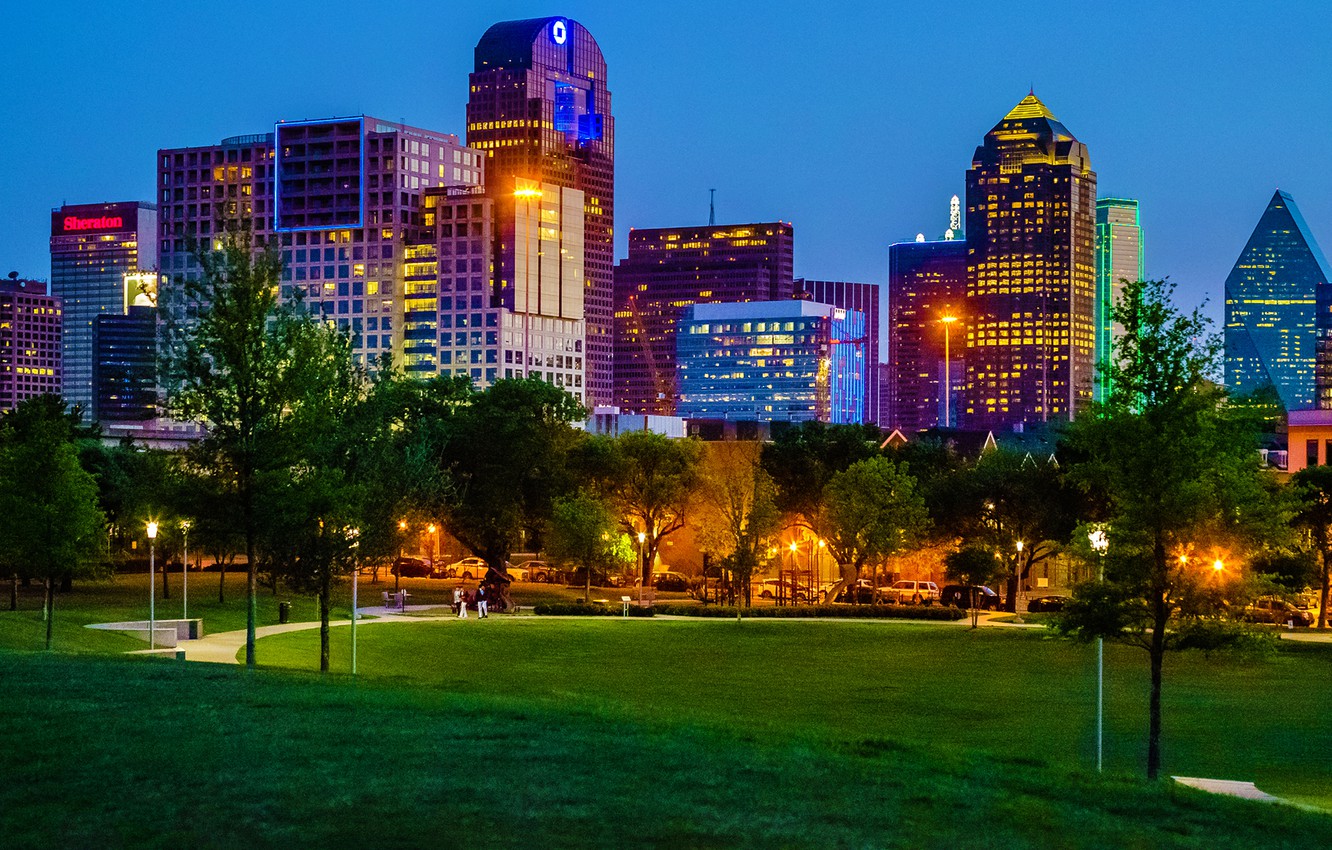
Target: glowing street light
column 185, row 570
column 354, row 540
column 642, row 538
column 1218, row 565
column 152, row 570
column 1100, row 542
column 948, row 376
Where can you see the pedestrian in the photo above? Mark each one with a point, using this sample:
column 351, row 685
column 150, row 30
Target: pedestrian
column 481, row 602
column 462, row 606
column 457, row 599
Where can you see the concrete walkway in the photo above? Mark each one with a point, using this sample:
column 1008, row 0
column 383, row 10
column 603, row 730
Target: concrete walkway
column 1229, row 787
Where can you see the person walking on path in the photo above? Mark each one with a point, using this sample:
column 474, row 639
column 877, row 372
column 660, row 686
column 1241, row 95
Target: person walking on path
column 481, row 602
column 462, row 604
column 457, row 599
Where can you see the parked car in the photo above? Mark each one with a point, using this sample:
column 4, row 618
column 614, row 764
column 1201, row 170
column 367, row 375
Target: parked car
column 1274, row 609
column 910, row 592
column 467, row 569
column 600, row 578
column 539, row 570
column 962, row 596
column 1047, row 604
column 519, row 573
column 671, row 581
column 862, row 593
column 410, row 568
column 774, row 588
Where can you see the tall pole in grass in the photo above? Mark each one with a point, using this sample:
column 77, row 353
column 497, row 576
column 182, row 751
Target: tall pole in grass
column 1099, row 543
column 354, row 535
column 152, row 592
column 185, row 571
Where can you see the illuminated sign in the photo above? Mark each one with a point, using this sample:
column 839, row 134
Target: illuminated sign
column 559, row 32
column 105, row 222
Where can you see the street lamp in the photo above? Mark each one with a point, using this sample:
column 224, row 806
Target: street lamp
column 948, row 375
column 1017, row 615
column 1099, row 543
column 397, row 574
column 642, row 538
column 1218, row 565
column 434, row 546
column 152, row 570
column 354, row 539
column 793, row 549
column 185, row 570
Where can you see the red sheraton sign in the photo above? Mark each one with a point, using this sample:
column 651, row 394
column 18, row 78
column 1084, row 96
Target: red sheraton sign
column 106, row 222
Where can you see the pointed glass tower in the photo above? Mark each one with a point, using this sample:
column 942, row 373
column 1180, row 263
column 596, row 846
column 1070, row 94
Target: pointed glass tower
column 1272, row 308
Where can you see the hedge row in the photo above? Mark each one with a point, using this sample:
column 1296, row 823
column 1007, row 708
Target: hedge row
column 869, row 612
column 584, row 609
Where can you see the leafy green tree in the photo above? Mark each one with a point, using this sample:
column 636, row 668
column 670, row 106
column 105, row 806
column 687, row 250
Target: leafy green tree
column 973, row 565
column 227, row 362
column 737, row 510
column 54, row 526
column 1313, row 492
column 1176, row 472
column 583, row 532
column 802, row 460
column 870, row 511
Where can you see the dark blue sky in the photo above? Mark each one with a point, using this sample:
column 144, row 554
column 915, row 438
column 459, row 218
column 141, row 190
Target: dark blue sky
column 855, row 123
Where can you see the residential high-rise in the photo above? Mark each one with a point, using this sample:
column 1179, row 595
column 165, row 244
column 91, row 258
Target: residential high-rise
column 30, row 348
column 342, row 197
column 670, row 268
column 1031, row 274
column 927, row 283
column 93, row 248
column 1118, row 258
column 540, row 110
column 1273, row 295
column 786, row 361
column 863, row 297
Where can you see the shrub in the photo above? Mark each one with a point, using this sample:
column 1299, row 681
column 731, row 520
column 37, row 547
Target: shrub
column 583, row 609
column 860, row 612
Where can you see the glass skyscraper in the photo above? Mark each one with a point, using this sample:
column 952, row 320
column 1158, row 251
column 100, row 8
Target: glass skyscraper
column 1031, row 277
column 1118, row 258
column 1273, row 295
column 784, row 361
column 927, row 282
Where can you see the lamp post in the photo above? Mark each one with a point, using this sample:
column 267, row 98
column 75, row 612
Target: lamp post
column 185, row 570
column 793, row 549
column 354, row 539
column 527, row 194
column 152, row 593
column 642, row 538
column 948, row 376
column 434, row 545
column 1099, row 543
column 1017, row 590
column 397, row 574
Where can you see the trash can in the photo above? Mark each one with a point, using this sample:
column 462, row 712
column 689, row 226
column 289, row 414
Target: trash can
column 284, row 612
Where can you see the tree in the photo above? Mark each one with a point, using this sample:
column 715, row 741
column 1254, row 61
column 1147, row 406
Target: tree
column 971, row 566
column 802, row 460
column 737, row 510
column 870, row 510
column 650, row 479
column 227, row 369
column 1313, row 493
column 582, row 532
column 54, row 526
column 1175, row 470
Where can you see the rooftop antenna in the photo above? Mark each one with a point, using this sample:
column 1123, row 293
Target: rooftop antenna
column 712, row 207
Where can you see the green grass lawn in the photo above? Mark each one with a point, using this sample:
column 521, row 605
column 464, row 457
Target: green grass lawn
column 532, row 731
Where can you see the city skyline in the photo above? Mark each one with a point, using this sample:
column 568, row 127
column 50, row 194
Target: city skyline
column 765, row 145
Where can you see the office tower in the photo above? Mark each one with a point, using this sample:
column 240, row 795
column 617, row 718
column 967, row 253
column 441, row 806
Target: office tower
column 486, row 329
column 1273, row 294
column 927, row 283
column 1031, row 277
column 670, row 268
column 342, row 197
column 125, row 367
column 863, row 297
column 788, row 361
column 540, row 110
column 93, row 247
column 30, row 346
column 1118, row 259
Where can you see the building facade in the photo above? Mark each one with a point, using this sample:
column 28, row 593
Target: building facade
column 1119, row 258
column 93, row 248
column 787, row 361
column 341, row 198
column 1031, row 278
column 30, row 342
column 1273, row 297
column 863, row 297
column 669, row 269
column 540, row 111
column 125, row 366
column 927, row 283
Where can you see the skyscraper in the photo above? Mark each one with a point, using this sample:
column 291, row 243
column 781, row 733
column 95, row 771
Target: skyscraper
column 927, row 283
column 93, row 248
column 29, row 342
column 670, row 268
column 1031, row 276
column 1118, row 258
column 863, row 297
column 540, row 109
column 1273, row 295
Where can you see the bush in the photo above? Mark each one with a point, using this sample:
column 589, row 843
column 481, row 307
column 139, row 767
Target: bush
column 859, row 612
column 583, row 609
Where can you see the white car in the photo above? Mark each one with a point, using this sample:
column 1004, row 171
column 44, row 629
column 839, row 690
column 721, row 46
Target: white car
column 909, row 592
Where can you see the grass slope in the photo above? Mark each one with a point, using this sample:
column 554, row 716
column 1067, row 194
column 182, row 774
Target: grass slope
column 127, row 753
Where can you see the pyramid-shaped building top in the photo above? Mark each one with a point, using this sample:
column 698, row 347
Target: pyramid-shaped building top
column 1030, row 132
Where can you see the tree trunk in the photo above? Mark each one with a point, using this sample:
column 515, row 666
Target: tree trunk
column 251, row 588
column 13, row 593
column 50, row 610
column 1323, row 591
column 1010, row 602
column 1160, row 616
column 166, row 568
column 221, row 581
column 323, row 620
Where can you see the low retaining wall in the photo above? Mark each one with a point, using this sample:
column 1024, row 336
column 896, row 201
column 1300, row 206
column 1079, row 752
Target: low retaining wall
column 166, row 633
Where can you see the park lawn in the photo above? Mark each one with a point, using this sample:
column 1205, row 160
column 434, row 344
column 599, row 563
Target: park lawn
column 157, row 754
column 1021, row 695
